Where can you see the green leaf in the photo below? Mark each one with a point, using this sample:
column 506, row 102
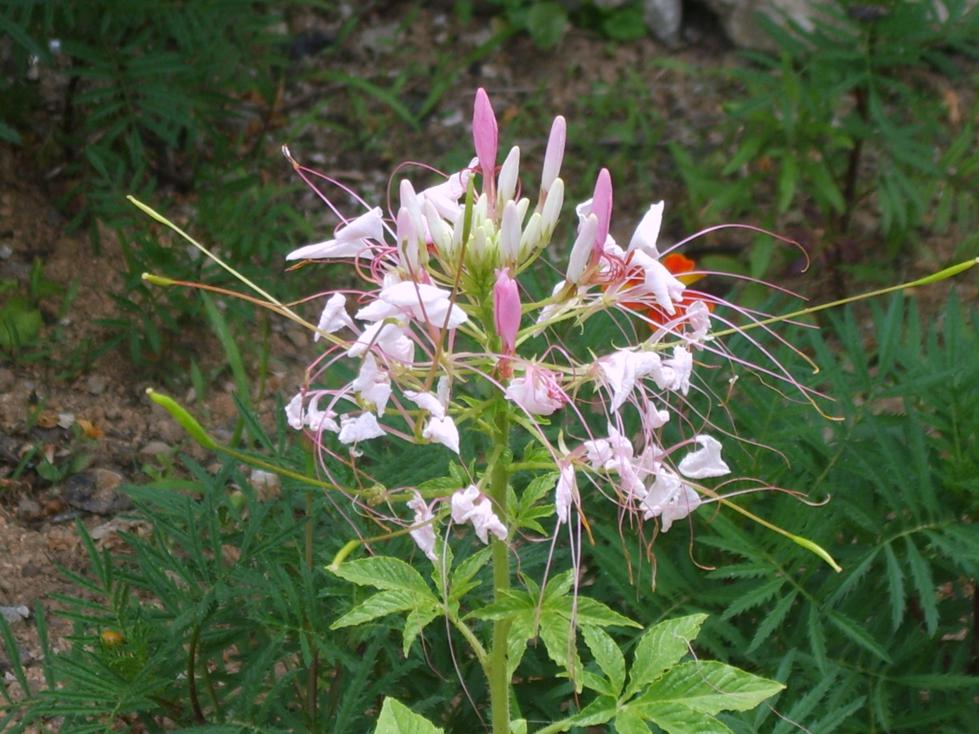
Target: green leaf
column 709, row 687
column 662, row 646
column 608, row 656
column 895, row 587
column 772, row 620
column 676, row 719
column 788, row 177
column 923, row 585
column 417, row 619
column 817, row 637
column 858, row 635
column 396, row 718
column 546, row 24
column 592, row 612
column 383, row 572
column 379, row 605
column 627, row 722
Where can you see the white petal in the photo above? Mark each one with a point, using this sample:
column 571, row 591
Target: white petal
column 582, row 249
column 294, row 412
column 426, row 401
column 443, row 430
column 565, row 493
column 662, row 284
column 424, row 537
column 705, row 461
column 334, row 316
column 510, row 233
column 506, row 184
column 361, row 428
column 646, row 234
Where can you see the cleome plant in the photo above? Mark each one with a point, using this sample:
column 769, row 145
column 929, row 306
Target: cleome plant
column 473, row 406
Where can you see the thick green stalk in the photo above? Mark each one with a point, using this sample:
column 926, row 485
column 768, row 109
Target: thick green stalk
column 499, row 680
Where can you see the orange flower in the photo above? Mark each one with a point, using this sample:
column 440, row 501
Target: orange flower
column 680, row 266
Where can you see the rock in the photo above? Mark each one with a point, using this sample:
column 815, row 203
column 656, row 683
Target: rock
column 96, row 384
column 106, row 480
column 15, row 614
column 28, row 509
column 154, row 449
column 663, row 19
column 740, row 19
column 83, row 492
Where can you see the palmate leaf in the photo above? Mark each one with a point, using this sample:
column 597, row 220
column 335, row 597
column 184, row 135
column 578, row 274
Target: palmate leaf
column 774, row 618
column 383, row 572
column 379, row 605
column 677, row 719
column 662, row 646
column 708, row 687
column 608, row 656
column 396, row 718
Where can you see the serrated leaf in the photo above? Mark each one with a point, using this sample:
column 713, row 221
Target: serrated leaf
column 383, row 572
column 857, row 634
column 558, row 636
column 380, row 604
column 592, row 612
column 417, row 619
column 754, row 597
column 461, row 580
column 662, row 646
column 396, row 718
column 937, row 681
column 709, row 687
column 607, row 654
column 817, row 637
column 677, row 719
column 772, row 620
column 895, row 587
column 924, row 586
column 627, row 722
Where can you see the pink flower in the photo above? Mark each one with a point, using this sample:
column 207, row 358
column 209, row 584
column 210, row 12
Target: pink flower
column 705, row 461
column 506, row 309
column 424, row 536
column 646, row 234
column 391, row 339
column 469, row 505
column 669, row 499
column 485, row 137
column 538, row 391
column 350, row 240
column 334, row 316
column 444, row 431
column 373, row 384
column 361, row 428
column 422, row 301
column 565, row 492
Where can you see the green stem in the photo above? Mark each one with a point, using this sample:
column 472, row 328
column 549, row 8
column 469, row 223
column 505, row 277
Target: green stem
column 499, row 679
column 312, row 674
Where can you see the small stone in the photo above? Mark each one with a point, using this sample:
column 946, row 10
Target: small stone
column 15, row 614
column 267, row 484
column 66, row 420
column 30, row 570
column 7, row 380
column 82, row 491
column 28, row 508
column 106, row 480
column 154, row 448
column 96, row 384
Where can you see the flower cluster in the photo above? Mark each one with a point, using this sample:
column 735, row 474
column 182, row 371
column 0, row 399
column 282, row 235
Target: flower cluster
column 444, row 316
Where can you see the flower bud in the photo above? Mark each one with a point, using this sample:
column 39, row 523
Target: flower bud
column 510, row 234
column 506, row 310
column 530, row 240
column 581, row 251
column 554, row 155
column 485, row 137
column 507, row 181
column 407, row 241
column 441, row 235
column 552, row 209
column 601, row 206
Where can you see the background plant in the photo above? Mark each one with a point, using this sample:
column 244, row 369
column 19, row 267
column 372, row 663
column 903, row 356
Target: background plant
column 848, row 116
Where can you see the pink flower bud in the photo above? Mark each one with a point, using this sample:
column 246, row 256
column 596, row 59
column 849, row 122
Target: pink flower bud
column 601, row 207
column 554, row 154
column 485, row 137
column 506, row 309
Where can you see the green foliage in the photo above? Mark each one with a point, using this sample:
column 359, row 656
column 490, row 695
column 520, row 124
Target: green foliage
column 887, row 644
column 845, row 115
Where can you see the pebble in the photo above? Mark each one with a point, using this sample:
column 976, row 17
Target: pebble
column 96, row 384
column 28, row 508
column 83, row 492
column 106, row 480
column 154, row 448
column 15, row 614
